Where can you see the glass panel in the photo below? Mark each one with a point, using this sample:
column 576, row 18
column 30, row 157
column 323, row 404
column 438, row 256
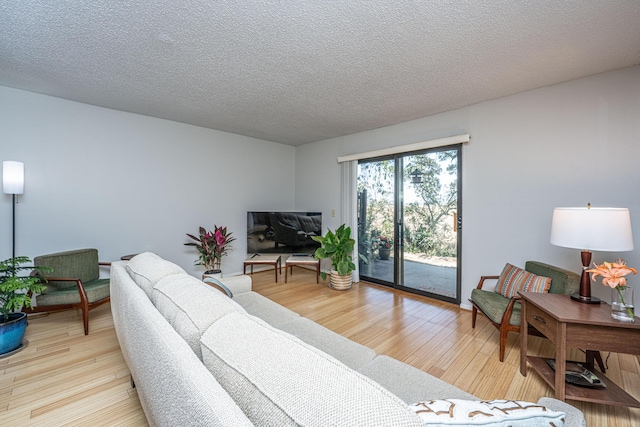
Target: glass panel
column 375, row 219
column 429, row 211
column 407, row 222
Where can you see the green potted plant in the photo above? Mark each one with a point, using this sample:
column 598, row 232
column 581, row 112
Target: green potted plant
column 384, row 247
column 211, row 246
column 338, row 247
column 15, row 292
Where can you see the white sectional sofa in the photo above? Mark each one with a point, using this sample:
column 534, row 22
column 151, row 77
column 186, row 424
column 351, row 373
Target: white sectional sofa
column 198, row 357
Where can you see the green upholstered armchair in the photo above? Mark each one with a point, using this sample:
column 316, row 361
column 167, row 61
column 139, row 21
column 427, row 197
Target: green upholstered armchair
column 505, row 313
column 74, row 282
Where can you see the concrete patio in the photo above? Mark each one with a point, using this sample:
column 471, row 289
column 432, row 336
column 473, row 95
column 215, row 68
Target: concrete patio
column 436, row 279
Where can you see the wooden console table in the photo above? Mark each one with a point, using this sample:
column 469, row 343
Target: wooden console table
column 573, row 324
column 275, row 260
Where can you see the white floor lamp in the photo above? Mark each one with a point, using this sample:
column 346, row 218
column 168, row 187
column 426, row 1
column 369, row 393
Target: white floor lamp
column 13, row 183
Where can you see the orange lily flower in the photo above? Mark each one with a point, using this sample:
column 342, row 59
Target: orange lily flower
column 612, row 273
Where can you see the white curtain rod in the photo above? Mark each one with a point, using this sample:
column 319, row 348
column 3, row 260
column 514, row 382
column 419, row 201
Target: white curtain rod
column 416, row 146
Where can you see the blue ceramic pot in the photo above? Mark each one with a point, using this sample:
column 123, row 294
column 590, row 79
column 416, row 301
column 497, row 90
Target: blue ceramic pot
column 12, row 331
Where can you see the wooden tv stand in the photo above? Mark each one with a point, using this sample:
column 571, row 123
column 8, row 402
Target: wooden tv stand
column 573, row 324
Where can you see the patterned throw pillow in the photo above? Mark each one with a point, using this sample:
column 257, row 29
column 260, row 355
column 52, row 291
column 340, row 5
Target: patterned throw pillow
column 502, row 413
column 514, row 279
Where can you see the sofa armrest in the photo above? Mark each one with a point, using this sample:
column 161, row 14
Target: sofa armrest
column 237, row 284
column 575, row 417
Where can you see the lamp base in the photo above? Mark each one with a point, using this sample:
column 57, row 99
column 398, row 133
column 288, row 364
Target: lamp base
column 585, row 300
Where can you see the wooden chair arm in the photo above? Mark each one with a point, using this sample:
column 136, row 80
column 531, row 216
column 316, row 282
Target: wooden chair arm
column 483, row 278
column 61, row 279
column 509, row 310
column 104, row 263
column 83, row 293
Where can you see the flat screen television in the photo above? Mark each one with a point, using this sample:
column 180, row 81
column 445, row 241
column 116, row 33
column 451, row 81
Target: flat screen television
column 274, row 232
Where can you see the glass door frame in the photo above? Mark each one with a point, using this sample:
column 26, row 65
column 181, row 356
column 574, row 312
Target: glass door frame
column 398, row 224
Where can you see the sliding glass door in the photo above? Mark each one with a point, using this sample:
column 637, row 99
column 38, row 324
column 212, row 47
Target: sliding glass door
column 408, row 222
column 376, row 219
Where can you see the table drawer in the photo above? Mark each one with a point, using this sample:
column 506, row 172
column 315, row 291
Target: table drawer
column 542, row 321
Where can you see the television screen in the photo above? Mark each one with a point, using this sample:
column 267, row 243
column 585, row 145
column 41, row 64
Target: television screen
column 283, row 232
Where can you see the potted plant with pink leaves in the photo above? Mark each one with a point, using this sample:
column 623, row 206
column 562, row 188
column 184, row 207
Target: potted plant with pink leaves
column 211, row 247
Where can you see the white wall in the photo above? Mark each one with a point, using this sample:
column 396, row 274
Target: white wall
column 563, row 145
column 126, row 183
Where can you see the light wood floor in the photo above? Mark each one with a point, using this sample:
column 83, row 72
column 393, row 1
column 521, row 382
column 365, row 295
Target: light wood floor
column 65, row 378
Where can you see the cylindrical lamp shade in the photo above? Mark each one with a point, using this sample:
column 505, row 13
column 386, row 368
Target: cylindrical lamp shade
column 12, row 177
column 595, row 229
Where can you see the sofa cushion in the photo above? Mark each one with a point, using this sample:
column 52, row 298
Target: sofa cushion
column 191, row 307
column 147, row 268
column 78, row 264
column 174, row 387
column 267, row 310
column 514, row 279
column 499, row 413
column 494, row 305
column 278, row 380
column 562, row 281
column 349, row 352
column 408, row 383
column 96, row 290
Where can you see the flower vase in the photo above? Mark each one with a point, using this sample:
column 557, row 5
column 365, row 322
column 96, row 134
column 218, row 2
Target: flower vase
column 622, row 303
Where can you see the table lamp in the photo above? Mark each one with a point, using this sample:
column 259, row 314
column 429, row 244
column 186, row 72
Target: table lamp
column 591, row 229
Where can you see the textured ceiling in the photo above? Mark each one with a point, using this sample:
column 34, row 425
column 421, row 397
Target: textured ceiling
column 299, row 71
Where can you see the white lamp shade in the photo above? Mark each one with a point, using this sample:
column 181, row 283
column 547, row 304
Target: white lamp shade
column 597, row 229
column 12, row 177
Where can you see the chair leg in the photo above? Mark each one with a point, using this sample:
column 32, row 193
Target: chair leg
column 503, row 343
column 85, row 319
column 474, row 315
